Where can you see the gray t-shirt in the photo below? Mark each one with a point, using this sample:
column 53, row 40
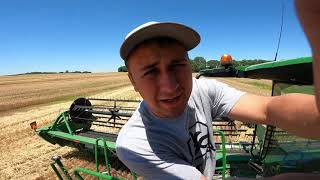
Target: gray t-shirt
column 177, row 148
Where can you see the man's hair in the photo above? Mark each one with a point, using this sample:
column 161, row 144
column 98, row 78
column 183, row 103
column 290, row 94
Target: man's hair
column 161, row 41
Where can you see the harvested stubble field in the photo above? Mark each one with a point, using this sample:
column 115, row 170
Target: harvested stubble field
column 27, row 98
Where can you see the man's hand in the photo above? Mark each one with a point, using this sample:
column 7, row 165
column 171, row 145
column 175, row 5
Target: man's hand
column 308, row 12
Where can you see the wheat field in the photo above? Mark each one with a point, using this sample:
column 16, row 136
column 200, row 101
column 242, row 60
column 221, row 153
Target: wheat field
column 28, row 98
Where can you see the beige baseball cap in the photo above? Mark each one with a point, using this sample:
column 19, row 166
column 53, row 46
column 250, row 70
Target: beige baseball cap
column 184, row 34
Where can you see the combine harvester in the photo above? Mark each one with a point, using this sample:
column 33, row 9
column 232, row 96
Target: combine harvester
column 265, row 151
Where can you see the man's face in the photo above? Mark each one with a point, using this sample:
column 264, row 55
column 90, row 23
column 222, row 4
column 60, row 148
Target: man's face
column 163, row 77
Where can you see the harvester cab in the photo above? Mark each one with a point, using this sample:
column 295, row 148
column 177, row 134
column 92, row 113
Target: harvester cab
column 264, row 150
column 274, row 151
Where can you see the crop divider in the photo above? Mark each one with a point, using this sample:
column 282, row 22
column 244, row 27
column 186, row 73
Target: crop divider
column 63, row 117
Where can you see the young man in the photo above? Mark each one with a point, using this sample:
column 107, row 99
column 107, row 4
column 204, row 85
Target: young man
column 170, row 135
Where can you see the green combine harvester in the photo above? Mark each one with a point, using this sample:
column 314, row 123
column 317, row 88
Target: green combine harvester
column 266, row 151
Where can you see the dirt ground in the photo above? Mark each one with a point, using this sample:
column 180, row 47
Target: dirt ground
column 23, row 154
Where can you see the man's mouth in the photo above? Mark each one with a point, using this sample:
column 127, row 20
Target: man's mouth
column 171, row 100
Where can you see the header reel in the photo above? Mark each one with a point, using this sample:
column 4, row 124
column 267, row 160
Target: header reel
column 101, row 112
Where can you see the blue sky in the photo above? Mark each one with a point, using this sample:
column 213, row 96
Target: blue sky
column 59, row 35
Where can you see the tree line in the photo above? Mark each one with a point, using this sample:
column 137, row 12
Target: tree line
column 199, row 63
column 43, row 72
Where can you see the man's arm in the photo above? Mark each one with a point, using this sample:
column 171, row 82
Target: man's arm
column 295, row 113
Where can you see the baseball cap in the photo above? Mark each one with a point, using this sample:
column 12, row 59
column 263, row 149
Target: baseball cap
column 184, row 34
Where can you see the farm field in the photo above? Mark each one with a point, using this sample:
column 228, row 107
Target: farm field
column 40, row 98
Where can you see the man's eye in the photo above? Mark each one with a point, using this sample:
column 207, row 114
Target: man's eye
column 152, row 71
column 179, row 65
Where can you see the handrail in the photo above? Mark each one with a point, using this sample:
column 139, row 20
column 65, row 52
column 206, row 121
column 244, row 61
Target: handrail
column 223, row 151
column 93, row 173
column 105, row 151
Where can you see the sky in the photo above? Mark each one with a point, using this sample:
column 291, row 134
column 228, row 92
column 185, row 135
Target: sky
column 85, row 35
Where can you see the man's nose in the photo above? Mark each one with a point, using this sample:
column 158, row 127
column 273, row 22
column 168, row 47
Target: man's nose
column 168, row 82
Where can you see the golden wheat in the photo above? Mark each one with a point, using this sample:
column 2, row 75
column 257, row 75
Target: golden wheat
column 26, row 90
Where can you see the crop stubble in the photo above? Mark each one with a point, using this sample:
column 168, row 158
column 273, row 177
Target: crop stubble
column 41, row 97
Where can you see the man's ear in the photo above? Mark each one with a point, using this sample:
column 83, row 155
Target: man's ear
column 132, row 81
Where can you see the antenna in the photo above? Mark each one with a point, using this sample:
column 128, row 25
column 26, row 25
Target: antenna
column 279, row 39
column 275, row 58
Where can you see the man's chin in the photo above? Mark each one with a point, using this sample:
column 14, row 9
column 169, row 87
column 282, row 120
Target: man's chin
column 176, row 114
column 173, row 112
column 169, row 114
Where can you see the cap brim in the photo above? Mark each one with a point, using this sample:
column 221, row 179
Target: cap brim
column 185, row 35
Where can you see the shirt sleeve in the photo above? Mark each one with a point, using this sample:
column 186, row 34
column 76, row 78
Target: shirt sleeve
column 223, row 97
column 150, row 166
